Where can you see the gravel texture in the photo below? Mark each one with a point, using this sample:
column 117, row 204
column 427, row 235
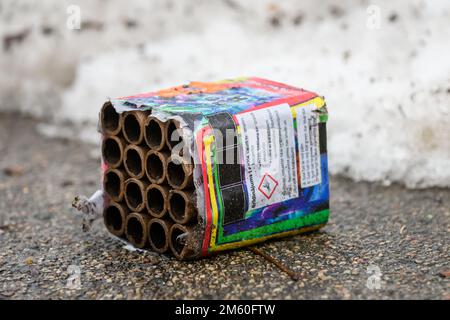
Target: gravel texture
column 402, row 233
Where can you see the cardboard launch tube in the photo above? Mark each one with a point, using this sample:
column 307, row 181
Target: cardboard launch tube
column 135, row 194
column 112, row 151
column 136, row 229
column 155, row 133
column 156, row 166
column 179, row 237
column 158, row 234
column 181, row 206
column 173, row 133
column 114, row 184
column 179, row 174
column 110, row 120
column 156, row 200
column 134, row 160
column 133, row 126
column 114, row 217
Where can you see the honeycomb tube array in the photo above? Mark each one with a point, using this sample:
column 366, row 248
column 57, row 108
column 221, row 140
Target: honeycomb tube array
column 151, row 193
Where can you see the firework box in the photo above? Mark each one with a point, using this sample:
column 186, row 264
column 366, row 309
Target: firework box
column 260, row 157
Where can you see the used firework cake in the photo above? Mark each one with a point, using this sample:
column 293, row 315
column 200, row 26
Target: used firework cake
column 206, row 167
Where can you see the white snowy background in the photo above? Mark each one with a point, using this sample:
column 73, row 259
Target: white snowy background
column 383, row 67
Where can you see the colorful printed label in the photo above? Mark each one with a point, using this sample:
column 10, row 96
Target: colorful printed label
column 233, row 221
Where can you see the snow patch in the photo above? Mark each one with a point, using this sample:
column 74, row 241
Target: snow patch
column 387, row 90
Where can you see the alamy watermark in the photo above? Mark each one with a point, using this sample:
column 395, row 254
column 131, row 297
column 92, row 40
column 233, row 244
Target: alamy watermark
column 74, row 279
column 373, row 21
column 73, row 21
column 374, row 280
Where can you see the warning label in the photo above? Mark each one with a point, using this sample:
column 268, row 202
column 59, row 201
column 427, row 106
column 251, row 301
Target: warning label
column 268, row 149
column 309, row 148
column 267, row 185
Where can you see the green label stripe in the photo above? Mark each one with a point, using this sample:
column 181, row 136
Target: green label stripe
column 320, row 217
column 323, row 117
column 219, row 198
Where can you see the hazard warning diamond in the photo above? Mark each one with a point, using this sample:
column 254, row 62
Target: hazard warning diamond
column 267, row 185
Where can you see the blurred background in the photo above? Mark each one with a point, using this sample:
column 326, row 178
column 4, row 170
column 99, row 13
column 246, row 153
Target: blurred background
column 382, row 66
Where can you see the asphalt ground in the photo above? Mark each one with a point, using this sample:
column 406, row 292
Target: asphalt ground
column 380, row 243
